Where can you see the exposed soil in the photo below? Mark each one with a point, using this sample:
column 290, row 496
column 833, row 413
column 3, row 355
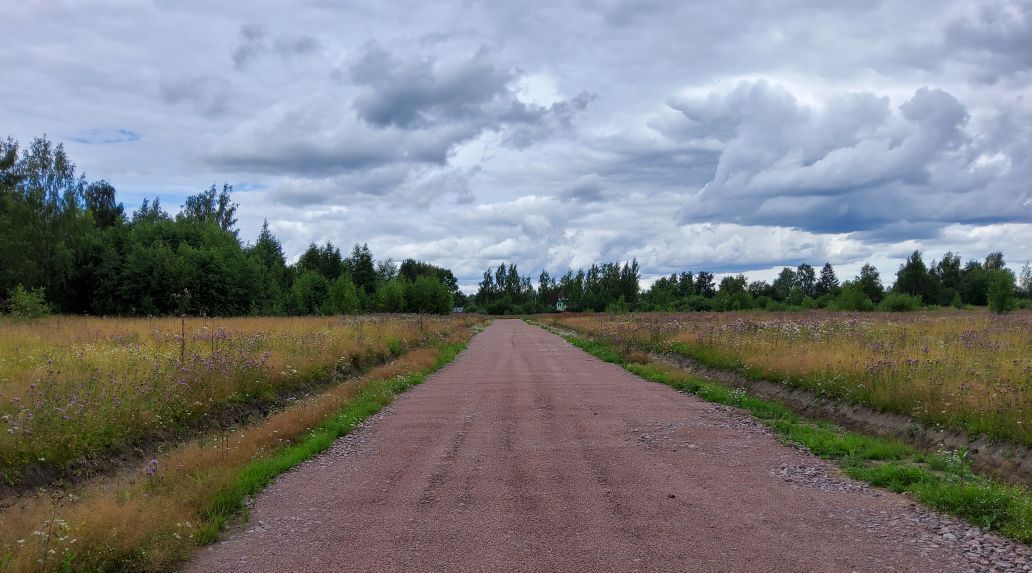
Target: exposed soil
column 529, row 454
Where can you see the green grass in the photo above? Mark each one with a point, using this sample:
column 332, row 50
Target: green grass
column 597, row 349
column 941, row 480
column 259, row 473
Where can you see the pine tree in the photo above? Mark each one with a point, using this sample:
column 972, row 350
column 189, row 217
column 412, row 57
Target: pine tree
column 828, row 283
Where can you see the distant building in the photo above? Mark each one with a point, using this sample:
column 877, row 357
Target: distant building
column 458, row 310
column 560, row 305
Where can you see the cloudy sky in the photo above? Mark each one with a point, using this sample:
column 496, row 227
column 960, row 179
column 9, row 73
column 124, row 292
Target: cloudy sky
column 729, row 136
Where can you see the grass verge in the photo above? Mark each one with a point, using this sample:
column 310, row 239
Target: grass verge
column 153, row 517
column 942, row 480
column 258, row 474
column 965, row 372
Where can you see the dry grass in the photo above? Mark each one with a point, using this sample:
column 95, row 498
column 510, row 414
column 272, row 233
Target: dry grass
column 968, row 370
column 75, row 387
column 148, row 515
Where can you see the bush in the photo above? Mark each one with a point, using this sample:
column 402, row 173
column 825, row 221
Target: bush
column 852, row 298
column 899, row 302
column 696, row 303
column 618, row 306
column 795, row 297
column 28, row 303
column 343, row 296
column 427, row 294
column 825, row 300
column 776, row 306
column 1000, row 291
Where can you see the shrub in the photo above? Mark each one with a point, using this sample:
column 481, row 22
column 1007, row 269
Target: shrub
column 776, row 306
column 28, row 303
column 795, row 297
column 696, row 303
column 1000, row 291
column 852, row 298
column 618, row 306
column 899, row 302
column 825, row 300
column 343, row 297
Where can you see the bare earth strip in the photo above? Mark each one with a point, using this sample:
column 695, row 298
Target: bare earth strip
column 529, row 454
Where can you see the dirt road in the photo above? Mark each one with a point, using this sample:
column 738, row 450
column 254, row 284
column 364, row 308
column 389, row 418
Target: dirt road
column 529, row 454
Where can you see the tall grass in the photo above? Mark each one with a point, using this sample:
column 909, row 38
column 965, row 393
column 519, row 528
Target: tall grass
column 970, row 371
column 150, row 517
column 73, row 388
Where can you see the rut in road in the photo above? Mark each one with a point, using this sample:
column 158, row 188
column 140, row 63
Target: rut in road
column 528, row 454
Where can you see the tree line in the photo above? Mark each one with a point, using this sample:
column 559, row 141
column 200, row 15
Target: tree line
column 614, row 287
column 67, row 245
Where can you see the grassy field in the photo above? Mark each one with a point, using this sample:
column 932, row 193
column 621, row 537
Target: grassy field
column 74, row 389
column 967, row 370
column 150, row 515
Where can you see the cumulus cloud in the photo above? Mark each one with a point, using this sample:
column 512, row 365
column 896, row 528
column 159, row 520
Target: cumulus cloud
column 853, row 164
column 409, row 117
column 319, row 138
column 722, row 135
column 425, row 93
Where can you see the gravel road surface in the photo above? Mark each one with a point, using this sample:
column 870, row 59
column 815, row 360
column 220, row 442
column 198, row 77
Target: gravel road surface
column 527, row 454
